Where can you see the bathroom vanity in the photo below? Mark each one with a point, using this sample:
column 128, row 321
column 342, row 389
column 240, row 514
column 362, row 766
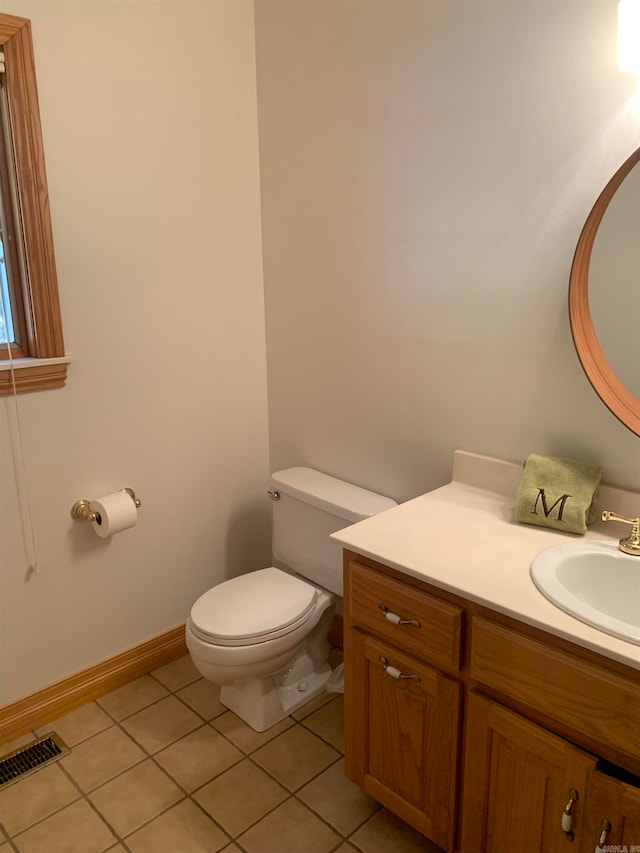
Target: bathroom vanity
column 475, row 709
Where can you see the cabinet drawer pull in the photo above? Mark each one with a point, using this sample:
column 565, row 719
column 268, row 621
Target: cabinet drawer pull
column 394, row 672
column 397, row 620
column 567, row 814
column 605, row 826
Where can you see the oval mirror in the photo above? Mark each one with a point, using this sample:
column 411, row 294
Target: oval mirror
column 604, row 295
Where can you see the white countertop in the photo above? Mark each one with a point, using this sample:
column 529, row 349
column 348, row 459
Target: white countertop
column 463, row 538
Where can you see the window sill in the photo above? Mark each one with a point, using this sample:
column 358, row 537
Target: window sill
column 33, row 374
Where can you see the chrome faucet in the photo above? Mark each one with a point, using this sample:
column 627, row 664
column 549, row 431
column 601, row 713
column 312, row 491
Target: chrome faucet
column 630, row 545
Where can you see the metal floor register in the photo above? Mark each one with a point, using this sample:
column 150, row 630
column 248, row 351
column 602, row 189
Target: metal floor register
column 40, row 752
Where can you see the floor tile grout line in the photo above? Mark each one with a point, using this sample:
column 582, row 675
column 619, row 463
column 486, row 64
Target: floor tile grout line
column 147, row 755
column 169, row 692
column 187, row 793
column 133, row 713
column 292, row 795
column 201, row 717
column 230, row 839
column 166, row 686
column 157, row 701
column 352, row 832
column 90, row 803
column 49, row 814
column 191, row 708
column 116, row 722
column 324, row 820
column 315, row 710
column 161, row 748
column 87, row 795
column 341, row 838
column 151, row 756
column 262, row 817
column 245, row 756
column 214, row 821
column 212, row 779
column 307, row 782
column 167, row 810
column 119, row 773
column 123, row 838
column 131, row 737
column 306, row 728
column 323, row 739
column 5, row 836
column 244, row 751
column 241, row 748
column 344, row 835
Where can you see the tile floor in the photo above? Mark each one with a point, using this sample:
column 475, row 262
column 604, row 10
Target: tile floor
column 160, row 766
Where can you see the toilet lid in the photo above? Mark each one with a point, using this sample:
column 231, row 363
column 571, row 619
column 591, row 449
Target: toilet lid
column 253, row 608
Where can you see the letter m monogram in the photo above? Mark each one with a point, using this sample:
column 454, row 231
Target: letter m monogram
column 542, row 498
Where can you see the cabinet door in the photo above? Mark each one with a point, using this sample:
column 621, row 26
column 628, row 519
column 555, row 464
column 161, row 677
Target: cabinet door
column 402, row 734
column 517, row 782
column 612, row 815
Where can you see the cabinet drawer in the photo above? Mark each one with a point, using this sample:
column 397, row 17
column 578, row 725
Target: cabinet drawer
column 437, row 635
column 583, row 696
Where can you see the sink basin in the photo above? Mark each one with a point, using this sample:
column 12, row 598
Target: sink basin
column 594, row 582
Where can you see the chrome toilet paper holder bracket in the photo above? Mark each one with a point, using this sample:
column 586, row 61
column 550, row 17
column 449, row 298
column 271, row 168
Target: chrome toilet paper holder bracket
column 81, row 510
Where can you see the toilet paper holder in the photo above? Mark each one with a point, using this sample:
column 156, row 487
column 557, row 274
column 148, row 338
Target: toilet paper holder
column 81, row 510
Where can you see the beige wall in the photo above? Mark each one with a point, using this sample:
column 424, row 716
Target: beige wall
column 426, row 168
column 150, row 129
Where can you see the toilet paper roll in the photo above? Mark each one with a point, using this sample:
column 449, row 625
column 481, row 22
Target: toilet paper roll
column 115, row 512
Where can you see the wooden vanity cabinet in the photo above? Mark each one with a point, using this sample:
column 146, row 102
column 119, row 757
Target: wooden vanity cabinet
column 612, row 814
column 518, row 780
column 479, row 738
column 402, row 714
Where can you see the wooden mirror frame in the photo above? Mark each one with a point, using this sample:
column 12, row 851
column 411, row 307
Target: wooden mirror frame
column 618, row 399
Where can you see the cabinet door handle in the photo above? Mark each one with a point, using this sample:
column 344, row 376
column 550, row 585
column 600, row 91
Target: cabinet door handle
column 394, row 672
column 397, row 620
column 567, row 814
column 605, row 826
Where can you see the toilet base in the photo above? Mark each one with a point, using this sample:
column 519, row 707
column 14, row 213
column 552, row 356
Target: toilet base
column 262, row 702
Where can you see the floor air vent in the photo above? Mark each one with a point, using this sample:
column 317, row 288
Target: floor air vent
column 40, row 752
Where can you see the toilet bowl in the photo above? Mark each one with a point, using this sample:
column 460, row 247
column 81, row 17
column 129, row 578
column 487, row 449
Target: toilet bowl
column 262, row 636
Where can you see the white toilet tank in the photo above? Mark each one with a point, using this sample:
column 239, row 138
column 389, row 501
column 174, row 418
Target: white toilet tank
column 310, row 507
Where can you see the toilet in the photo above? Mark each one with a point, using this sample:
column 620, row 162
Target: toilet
column 263, row 635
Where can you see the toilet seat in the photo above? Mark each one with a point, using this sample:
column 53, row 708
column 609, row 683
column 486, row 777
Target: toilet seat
column 253, row 608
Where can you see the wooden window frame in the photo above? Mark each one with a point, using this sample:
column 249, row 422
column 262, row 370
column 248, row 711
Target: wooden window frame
column 45, row 364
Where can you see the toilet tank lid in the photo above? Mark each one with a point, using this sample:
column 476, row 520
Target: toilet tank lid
column 330, row 494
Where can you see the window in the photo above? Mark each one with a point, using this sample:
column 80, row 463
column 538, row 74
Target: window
column 31, row 339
